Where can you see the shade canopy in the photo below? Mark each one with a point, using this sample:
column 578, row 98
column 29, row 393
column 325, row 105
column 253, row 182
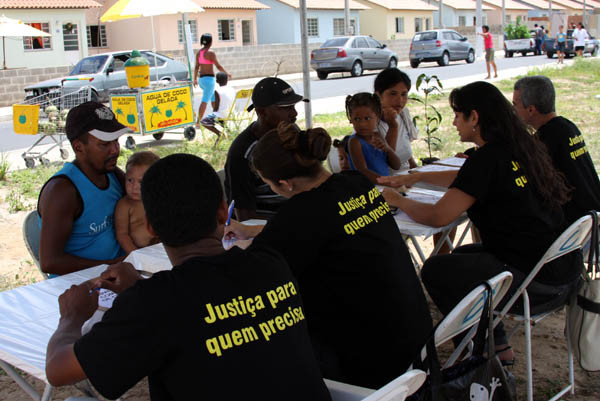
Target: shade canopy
column 16, row 28
column 124, row 9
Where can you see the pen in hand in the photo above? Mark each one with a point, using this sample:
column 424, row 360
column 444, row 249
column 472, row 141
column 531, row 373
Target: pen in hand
column 230, row 212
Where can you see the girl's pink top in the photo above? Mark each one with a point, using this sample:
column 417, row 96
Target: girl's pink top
column 201, row 59
column 487, row 41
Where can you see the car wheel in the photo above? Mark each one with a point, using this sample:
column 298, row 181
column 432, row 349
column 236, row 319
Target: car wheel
column 471, row 57
column 130, row 143
column 508, row 54
column 549, row 54
column 414, row 63
column 322, row 74
column 393, row 63
column 357, row 69
column 94, row 96
column 444, row 60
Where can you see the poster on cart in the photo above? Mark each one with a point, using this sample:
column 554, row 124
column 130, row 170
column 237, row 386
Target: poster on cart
column 125, row 108
column 167, row 108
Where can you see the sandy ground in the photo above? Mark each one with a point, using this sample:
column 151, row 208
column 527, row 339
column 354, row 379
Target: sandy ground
column 549, row 344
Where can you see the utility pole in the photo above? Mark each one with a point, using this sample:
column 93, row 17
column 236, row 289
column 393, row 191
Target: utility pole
column 478, row 17
column 305, row 65
column 441, row 17
column 347, row 17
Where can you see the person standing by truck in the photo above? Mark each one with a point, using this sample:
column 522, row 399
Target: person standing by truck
column 560, row 44
column 538, row 39
column 489, row 50
column 580, row 35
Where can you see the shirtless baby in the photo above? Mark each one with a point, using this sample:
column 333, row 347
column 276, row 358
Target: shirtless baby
column 130, row 217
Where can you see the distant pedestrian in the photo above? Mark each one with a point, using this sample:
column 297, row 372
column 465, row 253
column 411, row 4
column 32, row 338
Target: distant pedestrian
column 538, row 39
column 489, row 50
column 560, row 44
column 580, row 35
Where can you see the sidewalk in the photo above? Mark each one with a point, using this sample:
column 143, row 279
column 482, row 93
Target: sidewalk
column 319, row 106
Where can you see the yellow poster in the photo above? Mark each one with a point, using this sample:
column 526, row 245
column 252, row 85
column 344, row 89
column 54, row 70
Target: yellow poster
column 167, row 108
column 25, row 118
column 125, row 109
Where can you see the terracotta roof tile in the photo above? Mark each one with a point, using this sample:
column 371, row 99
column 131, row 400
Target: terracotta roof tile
column 325, row 5
column 403, row 4
column 49, row 4
column 508, row 4
column 232, row 4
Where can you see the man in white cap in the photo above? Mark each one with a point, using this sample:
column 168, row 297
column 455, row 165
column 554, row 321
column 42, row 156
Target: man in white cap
column 76, row 205
column 274, row 101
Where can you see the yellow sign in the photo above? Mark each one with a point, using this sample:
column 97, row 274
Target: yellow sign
column 125, row 109
column 25, row 118
column 167, row 108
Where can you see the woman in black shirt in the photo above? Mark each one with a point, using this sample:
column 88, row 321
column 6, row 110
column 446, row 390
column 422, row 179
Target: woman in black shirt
column 365, row 308
column 512, row 194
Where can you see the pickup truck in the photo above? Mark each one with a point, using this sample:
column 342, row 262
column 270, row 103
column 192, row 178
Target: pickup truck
column 591, row 46
column 522, row 46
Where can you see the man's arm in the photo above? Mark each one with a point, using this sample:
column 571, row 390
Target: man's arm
column 59, row 205
column 217, row 102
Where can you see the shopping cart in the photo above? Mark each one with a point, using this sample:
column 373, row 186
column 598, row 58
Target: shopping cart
column 46, row 115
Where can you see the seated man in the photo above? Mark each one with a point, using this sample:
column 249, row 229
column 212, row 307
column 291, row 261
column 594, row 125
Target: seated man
column 274, row 102
column 533, row 98
column 222, row 325
column 224, row 97
column 76, row 205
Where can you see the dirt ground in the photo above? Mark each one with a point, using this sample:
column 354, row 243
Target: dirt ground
column 549, row 344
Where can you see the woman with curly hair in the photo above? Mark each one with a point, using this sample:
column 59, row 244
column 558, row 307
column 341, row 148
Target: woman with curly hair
column 365, row 308
column 512, row 194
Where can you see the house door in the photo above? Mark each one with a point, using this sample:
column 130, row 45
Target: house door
column 246, row 32
column 71, row 42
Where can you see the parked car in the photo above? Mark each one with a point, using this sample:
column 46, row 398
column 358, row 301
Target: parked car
column 351, row 53
column 592, row 46
column 523, row 46
column 107, row 71
column 441, row 45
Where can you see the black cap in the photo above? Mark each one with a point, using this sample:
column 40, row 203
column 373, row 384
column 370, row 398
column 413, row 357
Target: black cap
column 95, row 119
column 274, row 91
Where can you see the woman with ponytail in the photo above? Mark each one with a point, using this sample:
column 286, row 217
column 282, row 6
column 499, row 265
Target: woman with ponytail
column 365, row 309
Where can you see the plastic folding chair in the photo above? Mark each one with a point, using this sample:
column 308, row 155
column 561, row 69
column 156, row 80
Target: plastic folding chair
column 572, row 239
column 31, row 237
column 237, row 116
column 396, row 390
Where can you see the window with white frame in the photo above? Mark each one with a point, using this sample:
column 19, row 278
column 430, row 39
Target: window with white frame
column 193, row 28
column 418, row 24
column 399, row 24
column 96, row 36
column 462, row 20
column 312, row 26
column 226, row 28
column 339, row 28
column 70, row 37
column 427, row 24
column 38, row 42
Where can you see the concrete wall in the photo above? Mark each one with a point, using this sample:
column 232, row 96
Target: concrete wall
column 13, row 81
column 17, row 56
column 281, row 23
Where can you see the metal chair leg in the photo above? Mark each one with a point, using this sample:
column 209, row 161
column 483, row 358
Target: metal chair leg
column 527, row 323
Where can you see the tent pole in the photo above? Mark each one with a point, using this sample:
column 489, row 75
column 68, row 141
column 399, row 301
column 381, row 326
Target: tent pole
column 154, row 48
column 4, row 52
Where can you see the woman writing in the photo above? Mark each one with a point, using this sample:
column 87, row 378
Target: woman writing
column 512, row 194
column 205, row 59
column 365, row 308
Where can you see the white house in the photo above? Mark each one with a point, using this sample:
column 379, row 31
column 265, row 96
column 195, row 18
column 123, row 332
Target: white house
column 65, row 20
column 325, row 19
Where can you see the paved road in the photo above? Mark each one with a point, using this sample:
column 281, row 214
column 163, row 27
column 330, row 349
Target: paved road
column 335, row 85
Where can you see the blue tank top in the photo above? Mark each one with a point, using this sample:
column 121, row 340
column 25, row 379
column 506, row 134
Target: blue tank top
column 376, row 159
column 93, row 235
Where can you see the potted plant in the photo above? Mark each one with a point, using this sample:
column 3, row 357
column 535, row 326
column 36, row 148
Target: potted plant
column 430, row 116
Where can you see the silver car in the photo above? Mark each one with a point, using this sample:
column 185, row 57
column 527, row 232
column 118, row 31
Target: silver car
column 105, row 71
column 351, row 53
column 441, row 45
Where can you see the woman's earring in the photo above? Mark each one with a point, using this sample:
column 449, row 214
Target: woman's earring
column 473, row 128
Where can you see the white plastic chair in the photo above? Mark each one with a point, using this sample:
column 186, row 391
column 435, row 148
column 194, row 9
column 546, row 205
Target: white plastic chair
column 396, row 390
column 572, row 239
column 31, row 237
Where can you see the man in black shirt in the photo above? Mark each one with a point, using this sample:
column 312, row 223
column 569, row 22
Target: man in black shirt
column 274, row 102
column 533, row 99
column 222, row 325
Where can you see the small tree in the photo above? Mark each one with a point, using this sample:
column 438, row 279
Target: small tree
column 432, row 118
column 517, row 31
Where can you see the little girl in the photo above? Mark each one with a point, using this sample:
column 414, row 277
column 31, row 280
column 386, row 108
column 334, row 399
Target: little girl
column 369, row 152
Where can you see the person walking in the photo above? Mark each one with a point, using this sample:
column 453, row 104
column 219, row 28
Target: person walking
column 489, row 50
column 560, row 44
column 205, row 59
column 580, row 35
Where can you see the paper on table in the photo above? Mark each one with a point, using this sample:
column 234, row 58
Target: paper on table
column 452, row 161
column 435, row 167
column 106, row 298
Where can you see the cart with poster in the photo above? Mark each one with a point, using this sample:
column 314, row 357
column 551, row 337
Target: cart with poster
column 154, row 110
column 46, row 115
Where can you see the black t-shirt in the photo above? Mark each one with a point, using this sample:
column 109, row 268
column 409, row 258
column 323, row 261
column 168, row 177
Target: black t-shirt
column 363, row 299
column 227, row 327
column 514, row 225
column 242, row 184
column 570, row 155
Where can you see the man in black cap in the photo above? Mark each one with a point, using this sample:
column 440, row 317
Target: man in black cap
column 274, row 101
column 76, row 205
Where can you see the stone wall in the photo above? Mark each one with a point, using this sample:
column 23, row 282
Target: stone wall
column 13, row 81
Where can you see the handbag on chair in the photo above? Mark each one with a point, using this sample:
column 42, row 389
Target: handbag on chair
column 476, row 378
column 584, row 309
